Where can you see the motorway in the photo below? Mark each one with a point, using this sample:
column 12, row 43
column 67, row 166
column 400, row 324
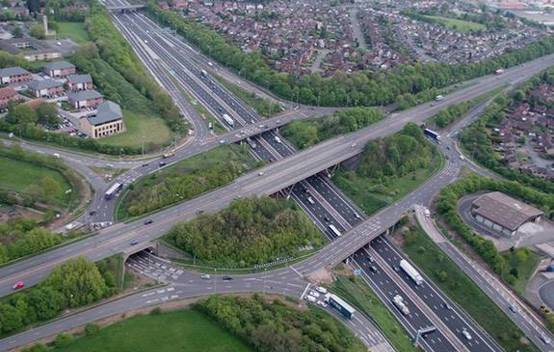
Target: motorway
column 287, row 170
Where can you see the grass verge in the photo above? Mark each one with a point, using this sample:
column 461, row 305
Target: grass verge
column 458, row 25
column 73, row 30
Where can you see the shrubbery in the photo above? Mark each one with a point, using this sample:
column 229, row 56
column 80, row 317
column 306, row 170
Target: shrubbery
column 248, row 232
column 73, row 284
column 305, row 133
column 274, row 326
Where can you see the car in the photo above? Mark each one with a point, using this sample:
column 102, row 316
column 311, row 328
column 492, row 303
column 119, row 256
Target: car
column 371, row 259
column 133, row 242
column 145, row 165
column 512, row 309
column 396, row 268
column 373, row 268
column 148, row 222
column 309, row 298
column 222, row 141
column 18, row 285
column 162, row 163
column 226, row 278
column 92, row 212
column 313, row 293
column 322, row 303
column 446, row 306
column 466, row 334
column 546, row 339
column 321, row 289
column 261, row 173
column 205, row 276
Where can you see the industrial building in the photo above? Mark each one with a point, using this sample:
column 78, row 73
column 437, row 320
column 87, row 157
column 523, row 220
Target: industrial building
column 502, row 213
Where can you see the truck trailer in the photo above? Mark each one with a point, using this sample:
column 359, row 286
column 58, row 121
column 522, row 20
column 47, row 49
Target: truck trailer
column 344, row 308
column 411, row 271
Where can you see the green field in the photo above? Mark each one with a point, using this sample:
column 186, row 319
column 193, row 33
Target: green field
column 185, row 330
column 73, row 30
column 457, row 25
column 141, row 129
column 27, row 178
column 372, row 195
column 460, row 288
column 360, row 295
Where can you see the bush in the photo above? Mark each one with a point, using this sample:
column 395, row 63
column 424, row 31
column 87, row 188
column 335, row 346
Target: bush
column 91, row 329
column 63, row 339
column 248, row 232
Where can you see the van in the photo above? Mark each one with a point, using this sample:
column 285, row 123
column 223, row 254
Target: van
column 56, row 155
column 311, row 200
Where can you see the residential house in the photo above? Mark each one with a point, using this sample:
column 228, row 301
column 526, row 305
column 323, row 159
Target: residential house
column 59, row 69
column 79, row 82
column 107, row 121
column 84, row 99
column 10, row 75
column 7, row 94
column 47, row 88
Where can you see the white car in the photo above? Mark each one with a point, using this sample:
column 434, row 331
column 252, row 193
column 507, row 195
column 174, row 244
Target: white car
column 261, row 173
column 310, row 298
column 205, row 277
column 323, row 304
column 321, row 289
column 315, row 294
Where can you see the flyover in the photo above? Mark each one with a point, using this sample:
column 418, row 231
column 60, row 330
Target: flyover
column 277, row 176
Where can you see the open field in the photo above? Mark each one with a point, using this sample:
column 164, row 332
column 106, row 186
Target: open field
column 462, row 290
column 457, row 25
column 73, row 30
column 141, row 129
column 27, row 178
column 184, row 330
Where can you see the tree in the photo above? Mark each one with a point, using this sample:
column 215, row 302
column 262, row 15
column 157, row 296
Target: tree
column 22, row 114
column 50, row 187
column 10, row 318
column 33, row 6
column 48, row 114
column 37, row 31
column 17, row 32
column 79, row 281
column 46, row 302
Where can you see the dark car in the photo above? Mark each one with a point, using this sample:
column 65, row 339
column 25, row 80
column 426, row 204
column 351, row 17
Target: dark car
column 148, row 222
column 162, row 163
column 227, row 278
column 92, row 212
column 133, row 242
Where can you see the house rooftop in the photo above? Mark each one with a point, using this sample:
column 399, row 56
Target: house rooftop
column 44, row 84
column 83, row 78
column 107, row 111
column 12, row 71
column 84, row 95
column 58, row 65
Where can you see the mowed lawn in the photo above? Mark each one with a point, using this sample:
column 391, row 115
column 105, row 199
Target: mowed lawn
column 140, row 128
column 73, row 30
column 178, row 331
column 22, row 177
column 458, row 25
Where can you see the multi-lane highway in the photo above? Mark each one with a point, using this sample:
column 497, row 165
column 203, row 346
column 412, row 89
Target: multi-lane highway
column 327, row 206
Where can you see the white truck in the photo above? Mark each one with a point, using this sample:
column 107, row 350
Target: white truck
column 411, row 271
column 400, row 304
column 228, row 120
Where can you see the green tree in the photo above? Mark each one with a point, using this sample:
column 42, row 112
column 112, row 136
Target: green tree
column 22, row 114
column 10, row 318
column 37, row 31
column 48, row 114
column 79, row 281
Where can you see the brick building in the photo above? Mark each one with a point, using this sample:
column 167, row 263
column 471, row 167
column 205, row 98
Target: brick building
column 7, row 94
column 84, row 99
column 107, row 121
column 79, row 82
column 47, row 88
column 59, row 69
column 10, row 75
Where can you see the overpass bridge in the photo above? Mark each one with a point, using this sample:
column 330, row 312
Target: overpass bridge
column 124, row 8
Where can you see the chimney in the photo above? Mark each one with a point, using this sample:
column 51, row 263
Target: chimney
column 45, row 24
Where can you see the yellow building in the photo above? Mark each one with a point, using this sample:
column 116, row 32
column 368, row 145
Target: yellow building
column 107, row 121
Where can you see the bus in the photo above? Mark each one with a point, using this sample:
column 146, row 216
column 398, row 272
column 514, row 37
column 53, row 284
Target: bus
column 334, row 230
column 344, row 308
column 430, row 133
column 116, row 187
column 229, row 120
